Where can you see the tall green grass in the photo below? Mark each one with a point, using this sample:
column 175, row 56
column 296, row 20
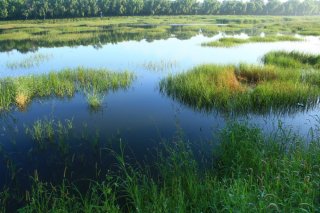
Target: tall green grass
column 231, row 42
column 247, row 172
column 243, row 88
column 21, row 90
column 292, row 59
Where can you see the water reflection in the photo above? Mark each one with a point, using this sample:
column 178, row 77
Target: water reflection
column 140, row 116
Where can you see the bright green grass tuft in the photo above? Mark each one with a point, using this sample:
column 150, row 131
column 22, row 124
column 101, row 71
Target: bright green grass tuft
column 94, row 100
column 243, row 88
column 292, row 59
column 231, row 42
column 21, row 90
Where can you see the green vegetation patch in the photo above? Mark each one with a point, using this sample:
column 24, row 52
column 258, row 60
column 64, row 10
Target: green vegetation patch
column 244, row 88
column 248, row 172
column 292, row 59
column 29, row 34
column 21, row 90
column 231, row 42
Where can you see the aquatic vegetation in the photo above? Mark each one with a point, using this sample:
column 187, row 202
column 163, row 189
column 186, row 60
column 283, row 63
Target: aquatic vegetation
column 29, row 62
column 243, row 88
column 42, row 130
column 231, row 41
column 160, row 66
column 292, row 59
column 28, row 35
column 20, row 91
column 94, row 100
column 248, row 172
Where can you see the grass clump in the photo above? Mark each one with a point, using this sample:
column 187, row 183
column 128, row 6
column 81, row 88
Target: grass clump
column 292, row 59
column 242, row 88
column 248, row 172
column 48, row 129
column 94, row 100
column 231, row 42
column 21, row 90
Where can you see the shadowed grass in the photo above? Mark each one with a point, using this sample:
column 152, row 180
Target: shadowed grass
column 231, row 42
column 248, row 172
column 292, row 59
column 21, row 90
column 246, row 88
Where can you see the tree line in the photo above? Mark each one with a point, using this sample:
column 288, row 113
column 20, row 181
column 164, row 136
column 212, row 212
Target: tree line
column 42, row 9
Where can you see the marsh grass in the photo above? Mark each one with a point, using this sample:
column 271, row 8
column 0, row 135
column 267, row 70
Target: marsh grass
column 292, row 59
column 51, row 130
column 21, row 90
column 248, row 172
column 29, row 62
column 232, row 42
column 29, row 35
column 94, row 100
column 243, row 88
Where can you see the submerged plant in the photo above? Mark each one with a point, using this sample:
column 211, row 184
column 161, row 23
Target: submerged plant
column 49, row 130
column 160, row 66
column 29, row 62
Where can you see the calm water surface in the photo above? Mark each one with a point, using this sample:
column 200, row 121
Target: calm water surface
column 140, row 116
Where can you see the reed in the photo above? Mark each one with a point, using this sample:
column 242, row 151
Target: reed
column 292, row 59
column 243, row 88
column 232, row 42
column 249, row 172
column 21, row 90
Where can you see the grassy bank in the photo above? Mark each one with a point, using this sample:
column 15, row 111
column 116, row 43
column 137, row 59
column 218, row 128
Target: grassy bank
column 232, row 42
column 22, row 90
column 27, row 35
column 248, row 172
column 245, row 88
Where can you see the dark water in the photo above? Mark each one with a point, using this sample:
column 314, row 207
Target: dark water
column 140, row 117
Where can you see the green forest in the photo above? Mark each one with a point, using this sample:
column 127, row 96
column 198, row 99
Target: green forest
column 52, row 9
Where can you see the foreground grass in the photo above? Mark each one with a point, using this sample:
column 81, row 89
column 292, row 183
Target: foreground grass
column 245, row 88
column 292, row 59
column 22, row 90
column 232, row 42
column 248, row 172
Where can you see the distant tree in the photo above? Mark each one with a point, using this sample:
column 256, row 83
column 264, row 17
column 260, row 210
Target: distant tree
column 272, row 7
column 17, row 9
column 104, row 6
column 185, row 6
column 134, row 7
column 210, row 7
column 228, row 7
column 42, row 8
column 240, row 8
column 4, row 8
column 308, row 7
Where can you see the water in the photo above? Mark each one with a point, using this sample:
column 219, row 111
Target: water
column 141, row 116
